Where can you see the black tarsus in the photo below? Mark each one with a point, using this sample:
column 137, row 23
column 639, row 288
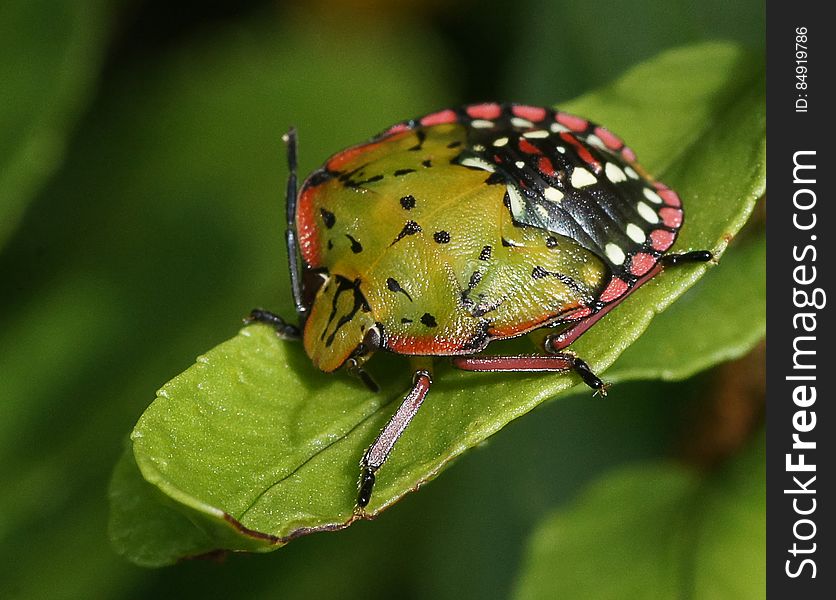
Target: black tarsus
column 671, row 260
column 366, row 487
column 285, row 330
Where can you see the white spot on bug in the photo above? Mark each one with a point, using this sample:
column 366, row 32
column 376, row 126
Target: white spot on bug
column 520, row 164
column 582, row 178
column 473, row 161
column 481, row 124
column 499, row 142
column 521, row 123
column 594, row 140
column 647, row 213
column 614, row 173
column 553, row 194
column 537, row 133
column 544, row 212
column 560, row 149
column 478, row 147
column 557, row 127
column 652, row 196
column 631, row 173
column 517, row 202
column 635, row 233
column 615, row 254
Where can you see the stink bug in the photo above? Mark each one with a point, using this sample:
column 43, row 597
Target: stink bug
column 464, row 226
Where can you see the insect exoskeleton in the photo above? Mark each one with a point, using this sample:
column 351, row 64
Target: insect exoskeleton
column 465, row 226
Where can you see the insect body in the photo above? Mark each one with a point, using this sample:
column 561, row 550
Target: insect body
column 466, row 226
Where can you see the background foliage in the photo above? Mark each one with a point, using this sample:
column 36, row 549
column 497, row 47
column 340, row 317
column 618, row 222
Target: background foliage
column 140, row 177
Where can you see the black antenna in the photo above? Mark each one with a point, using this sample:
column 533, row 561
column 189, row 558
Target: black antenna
column 290, row 234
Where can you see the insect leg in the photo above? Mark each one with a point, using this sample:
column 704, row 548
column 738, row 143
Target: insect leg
column 285, row 330
column 563, row 339
column 553, row 362
column 379, row 451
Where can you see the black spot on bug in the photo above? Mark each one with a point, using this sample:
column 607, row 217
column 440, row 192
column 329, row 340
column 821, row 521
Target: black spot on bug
column 410, row 228
column 319, row 177
column 373, row 178
column 455, row 144
column 421, row 135
column 441, row 237
column 506, row 243
column 408, row 202
column 356, row 246
column 428, row 320
column 485, row 254
column 330, row 244
column 506, row 201
column 394, row 286
column 328, row 218
column 539, row 272
column 406, row 321
column 402, row 172
column 474, row 280
column 551, row 242
column 427, row 163
column 495, row 178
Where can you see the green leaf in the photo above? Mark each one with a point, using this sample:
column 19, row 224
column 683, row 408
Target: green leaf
column 256, row 447
column 50, row 53
column 657, row 531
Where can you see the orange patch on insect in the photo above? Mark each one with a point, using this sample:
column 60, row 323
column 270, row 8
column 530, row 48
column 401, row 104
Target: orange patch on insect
column 346, row 157
column 641, row 263
column 484, row 111
column 532, row 113
column 571, row 121
column 672, row 217
column 424, row 345
column 661, row 239
column 582, row 151
column 614, row 290
column 439, row 118
column 610, row 140
column 307, row 227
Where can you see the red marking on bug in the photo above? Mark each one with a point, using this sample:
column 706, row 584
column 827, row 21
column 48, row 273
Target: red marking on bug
column 672, row 217
column 528, row 147
column 514, row 329
column 484, row 111
column 424, row 345
column 576, row 315
column 344, row 158
column 532, row 113
column 571, row 121
column 628, row 154
column 307, row 226
column 439, row 118
column 610, row 140
column 398, row 128
column 615, row 289
column 670, row 197
column 661, row 240
column 641, row 263
column 546, row 166
column 583, row 151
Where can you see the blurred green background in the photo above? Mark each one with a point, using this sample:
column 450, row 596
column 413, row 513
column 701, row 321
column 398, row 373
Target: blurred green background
column 141, row 190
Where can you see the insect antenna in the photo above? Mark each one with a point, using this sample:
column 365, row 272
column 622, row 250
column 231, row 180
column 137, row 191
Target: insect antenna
column 290, row 234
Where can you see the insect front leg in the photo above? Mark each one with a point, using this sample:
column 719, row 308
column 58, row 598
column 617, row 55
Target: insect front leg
column 379, row 451
column 284, row 329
